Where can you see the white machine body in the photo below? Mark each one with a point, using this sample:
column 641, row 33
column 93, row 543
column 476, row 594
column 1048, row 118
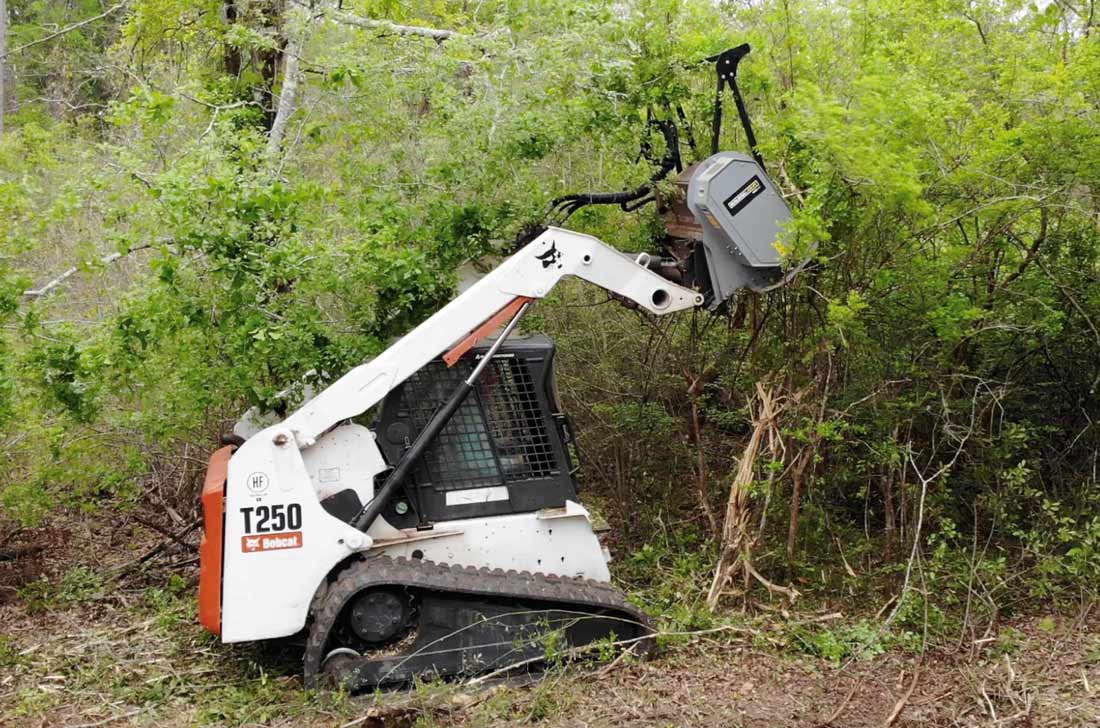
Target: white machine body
column 278, row 544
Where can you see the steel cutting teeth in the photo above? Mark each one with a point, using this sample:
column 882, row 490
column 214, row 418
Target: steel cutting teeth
column 481, row 618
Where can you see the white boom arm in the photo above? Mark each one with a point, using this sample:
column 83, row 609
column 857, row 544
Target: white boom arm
column 532, row 272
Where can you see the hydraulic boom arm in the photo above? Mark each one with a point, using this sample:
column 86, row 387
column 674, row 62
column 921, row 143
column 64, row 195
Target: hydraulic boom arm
column 530, row 273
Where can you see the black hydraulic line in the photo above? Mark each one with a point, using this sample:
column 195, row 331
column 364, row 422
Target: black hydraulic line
column 568, row 204
column 632, row 206
column 427, row 436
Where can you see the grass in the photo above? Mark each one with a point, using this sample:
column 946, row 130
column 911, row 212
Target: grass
column 137, row 658
column 78, row 648
column 136, row 649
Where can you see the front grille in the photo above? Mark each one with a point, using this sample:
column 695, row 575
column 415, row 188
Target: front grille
column 499, row 434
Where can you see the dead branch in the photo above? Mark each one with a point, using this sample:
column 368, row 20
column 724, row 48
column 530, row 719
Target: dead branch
column 35, row 293
column 390, row 28
column 925, row 481
column 843, row 704
column 298, row 28
column 127, row 568
column 161, row 530
column 694, row 390
column 736, row 546
column 12, row 536
column 903, row 700
column 790, row 592
column 67, row 29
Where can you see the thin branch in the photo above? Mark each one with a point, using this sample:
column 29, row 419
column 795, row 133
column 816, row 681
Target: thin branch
column 218, row 107
column 924, row 482
column 35, row 293
column 67, row 29
column 127, row 568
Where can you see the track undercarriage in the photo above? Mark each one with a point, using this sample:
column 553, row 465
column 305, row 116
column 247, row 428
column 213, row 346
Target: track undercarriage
column 386, row 621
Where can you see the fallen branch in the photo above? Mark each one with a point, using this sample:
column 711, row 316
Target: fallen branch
column 903, row 700
column 381, row 715
column 840, row 708
column 12, row 536
column 111, row 719
column 581, row 649
column 790, row 592
column 160, row 529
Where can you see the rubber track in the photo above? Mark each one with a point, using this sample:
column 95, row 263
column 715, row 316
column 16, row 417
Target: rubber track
column 482, row 582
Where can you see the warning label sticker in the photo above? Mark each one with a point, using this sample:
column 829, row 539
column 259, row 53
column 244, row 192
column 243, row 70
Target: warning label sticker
column 745, row 194
column 273, row 542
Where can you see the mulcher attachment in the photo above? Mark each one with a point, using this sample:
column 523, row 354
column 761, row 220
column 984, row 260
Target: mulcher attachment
column 461, row 621
column 741, row 214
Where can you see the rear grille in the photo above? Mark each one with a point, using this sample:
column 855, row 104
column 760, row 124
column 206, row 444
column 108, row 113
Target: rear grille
column 499, row 434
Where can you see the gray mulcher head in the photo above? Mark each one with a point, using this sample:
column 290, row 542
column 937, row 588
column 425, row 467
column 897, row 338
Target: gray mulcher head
column 742, row 213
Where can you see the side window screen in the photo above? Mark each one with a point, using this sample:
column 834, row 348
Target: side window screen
column 497, row 436
column 516, row 421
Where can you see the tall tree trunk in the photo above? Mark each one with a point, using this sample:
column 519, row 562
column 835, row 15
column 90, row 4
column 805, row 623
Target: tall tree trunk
column 695, row 437
column 889, row 514
column 232, row 54
column 3, row 58
column 288, row 96
column 296, row 29
column 798, row 475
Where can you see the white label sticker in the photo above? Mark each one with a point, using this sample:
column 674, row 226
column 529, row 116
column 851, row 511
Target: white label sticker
column 477, row 495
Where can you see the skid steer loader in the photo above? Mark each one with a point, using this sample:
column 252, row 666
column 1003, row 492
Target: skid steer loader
column 448, row 539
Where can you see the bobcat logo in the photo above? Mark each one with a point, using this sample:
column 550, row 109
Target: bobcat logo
column 271, row 542
column 552, row 256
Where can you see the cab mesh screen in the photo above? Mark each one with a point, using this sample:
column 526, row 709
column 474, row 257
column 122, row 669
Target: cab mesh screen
column 497, row 436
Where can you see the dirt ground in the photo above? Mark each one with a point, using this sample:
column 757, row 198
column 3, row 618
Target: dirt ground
column 1047, row 681
column 90, row 649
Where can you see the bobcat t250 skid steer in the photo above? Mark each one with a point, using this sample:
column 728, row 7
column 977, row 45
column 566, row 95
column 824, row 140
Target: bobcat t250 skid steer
column 448, row 538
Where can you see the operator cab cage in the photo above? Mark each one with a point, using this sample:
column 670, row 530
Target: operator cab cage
column 504, row 450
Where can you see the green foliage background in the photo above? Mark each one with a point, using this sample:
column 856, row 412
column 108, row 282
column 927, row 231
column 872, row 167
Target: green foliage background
column 940, row 353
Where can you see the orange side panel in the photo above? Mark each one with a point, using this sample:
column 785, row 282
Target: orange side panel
column 210, row 548
column 498, row 319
